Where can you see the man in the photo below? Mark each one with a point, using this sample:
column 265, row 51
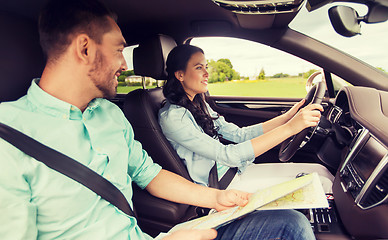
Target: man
column 66, row 110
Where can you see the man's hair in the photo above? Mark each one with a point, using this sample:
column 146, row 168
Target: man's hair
column 60, row 20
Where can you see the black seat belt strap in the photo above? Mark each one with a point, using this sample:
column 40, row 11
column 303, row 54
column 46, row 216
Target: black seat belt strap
column 227, row 178
column 67, row 166
column 224, row 181
column 213, row 177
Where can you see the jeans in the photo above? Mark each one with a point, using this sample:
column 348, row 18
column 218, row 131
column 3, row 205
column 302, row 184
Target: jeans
column 268, row 225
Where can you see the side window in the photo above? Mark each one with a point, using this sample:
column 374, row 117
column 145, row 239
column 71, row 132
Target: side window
column 338, row 83
column 128, row 81
column 240, row 67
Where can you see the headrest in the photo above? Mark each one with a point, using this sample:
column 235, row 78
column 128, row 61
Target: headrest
column 21, row 57
column 149, row 58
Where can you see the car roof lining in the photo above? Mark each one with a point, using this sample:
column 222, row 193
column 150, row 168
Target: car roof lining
column 200, row 18
column 161, row 18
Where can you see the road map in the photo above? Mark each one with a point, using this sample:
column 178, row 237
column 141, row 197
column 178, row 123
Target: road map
column 299, row 193
column 309, row 196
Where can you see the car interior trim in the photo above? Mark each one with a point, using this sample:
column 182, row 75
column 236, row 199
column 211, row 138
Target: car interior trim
column 287, row 104
column 359, row 141
column 370, row 182
column 260, row 7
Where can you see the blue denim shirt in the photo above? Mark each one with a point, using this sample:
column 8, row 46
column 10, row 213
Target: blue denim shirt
column 37, row 202
column 198, row 150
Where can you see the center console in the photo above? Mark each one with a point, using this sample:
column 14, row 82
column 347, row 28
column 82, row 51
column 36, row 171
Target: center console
column 361, row 187
column 364, row 172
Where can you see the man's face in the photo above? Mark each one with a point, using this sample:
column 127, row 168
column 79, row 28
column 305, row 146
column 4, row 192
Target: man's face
column 109, row 62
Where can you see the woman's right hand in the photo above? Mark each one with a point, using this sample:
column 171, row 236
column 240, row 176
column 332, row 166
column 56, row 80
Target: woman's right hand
column 308, row 116
column 293, row 110
column 193, row 234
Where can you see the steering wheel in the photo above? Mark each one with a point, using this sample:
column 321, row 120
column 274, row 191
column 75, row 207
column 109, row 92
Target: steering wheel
column 289, row 146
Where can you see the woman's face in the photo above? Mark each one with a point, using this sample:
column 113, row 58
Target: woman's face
column 195, row 78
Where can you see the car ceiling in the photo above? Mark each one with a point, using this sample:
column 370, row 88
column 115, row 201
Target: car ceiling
column 183, row 19
column 180, row 19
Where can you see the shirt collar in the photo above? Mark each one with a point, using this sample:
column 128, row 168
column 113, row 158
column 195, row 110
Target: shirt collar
column 54, row 106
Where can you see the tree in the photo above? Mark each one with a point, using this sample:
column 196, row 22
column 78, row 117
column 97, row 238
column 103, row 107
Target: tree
column 221, row 70
column 125, row 74
column 236, row 75
column 212, row 69
column 280, row 75
column 128, row 73
column 226, row 61
column 261, row 74
column 309, row 72
column 121, row 78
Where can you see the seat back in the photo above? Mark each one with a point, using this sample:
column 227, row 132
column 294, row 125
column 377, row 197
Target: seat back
column 21, row 56
column 141, row 108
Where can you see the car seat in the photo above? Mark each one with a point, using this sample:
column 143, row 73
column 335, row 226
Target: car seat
column 141, row 108
column 22, row 58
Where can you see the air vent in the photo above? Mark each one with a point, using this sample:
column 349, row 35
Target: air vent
column 334, row 114
column 378, row 194
column 260, row 7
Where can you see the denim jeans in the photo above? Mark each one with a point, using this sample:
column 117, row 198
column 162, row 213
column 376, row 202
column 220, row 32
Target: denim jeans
column 268, row 225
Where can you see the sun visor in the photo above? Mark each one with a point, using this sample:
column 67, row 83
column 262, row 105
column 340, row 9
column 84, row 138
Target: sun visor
column 260, row 7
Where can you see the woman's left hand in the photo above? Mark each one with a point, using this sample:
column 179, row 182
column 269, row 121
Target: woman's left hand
column 231, row 198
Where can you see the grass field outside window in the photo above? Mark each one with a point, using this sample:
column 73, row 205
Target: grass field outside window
column 270, row 87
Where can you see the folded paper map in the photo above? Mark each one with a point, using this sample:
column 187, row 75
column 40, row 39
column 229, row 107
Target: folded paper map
column 299, row 193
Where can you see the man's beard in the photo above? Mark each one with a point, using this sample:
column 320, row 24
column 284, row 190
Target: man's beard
column 101, row 77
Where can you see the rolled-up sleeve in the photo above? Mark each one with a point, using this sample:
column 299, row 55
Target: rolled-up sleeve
column 141, row 168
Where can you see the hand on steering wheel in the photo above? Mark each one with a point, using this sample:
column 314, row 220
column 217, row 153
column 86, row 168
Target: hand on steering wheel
column 291, row 145
column 308, row 116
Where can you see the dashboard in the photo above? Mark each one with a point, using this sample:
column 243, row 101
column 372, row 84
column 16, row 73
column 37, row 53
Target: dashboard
column 359, row 117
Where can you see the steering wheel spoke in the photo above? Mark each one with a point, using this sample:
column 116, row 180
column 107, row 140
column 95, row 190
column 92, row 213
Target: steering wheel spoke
column 291, row 145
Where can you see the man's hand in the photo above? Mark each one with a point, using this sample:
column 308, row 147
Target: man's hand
column 175, row 188
column 231, row 198
column 192, row 234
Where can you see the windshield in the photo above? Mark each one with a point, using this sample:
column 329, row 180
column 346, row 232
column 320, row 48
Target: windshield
column 369, row 47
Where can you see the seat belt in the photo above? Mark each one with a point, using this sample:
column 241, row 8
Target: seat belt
column 67, row 166
column 224, row 181
column 227, row 178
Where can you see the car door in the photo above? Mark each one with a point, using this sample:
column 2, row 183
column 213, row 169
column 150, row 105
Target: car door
column 264, row 87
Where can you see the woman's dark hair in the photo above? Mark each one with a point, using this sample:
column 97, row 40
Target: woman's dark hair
column 60, row 19
column 173, row 90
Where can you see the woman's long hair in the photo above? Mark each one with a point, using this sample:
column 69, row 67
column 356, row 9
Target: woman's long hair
column 173, row 90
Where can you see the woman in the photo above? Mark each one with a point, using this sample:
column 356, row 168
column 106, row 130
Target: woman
column 194, row 129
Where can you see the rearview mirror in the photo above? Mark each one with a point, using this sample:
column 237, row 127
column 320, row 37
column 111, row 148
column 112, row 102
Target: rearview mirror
column 377, row 13
column 345, row 20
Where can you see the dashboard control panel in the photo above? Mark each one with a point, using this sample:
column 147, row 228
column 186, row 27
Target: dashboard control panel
column 364, row 173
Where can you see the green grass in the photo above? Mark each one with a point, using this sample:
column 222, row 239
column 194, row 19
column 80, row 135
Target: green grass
column 126, row 89
column 270, row 87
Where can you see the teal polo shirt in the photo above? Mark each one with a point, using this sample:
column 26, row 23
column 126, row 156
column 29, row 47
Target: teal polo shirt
column 37, row 202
